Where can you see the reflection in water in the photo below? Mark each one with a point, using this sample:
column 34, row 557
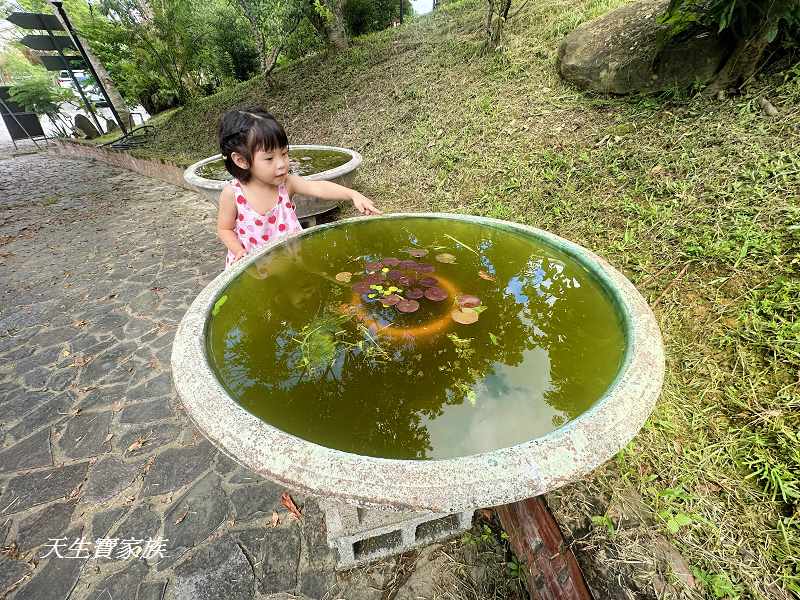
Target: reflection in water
column 544, row 349
column 512, row 407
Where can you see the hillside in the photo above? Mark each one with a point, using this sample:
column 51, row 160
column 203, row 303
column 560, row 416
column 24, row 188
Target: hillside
column 695, row 200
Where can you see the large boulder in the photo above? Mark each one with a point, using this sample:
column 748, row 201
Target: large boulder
column 620, row 53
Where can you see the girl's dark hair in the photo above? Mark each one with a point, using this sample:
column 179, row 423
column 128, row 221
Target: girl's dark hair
column 247, row 131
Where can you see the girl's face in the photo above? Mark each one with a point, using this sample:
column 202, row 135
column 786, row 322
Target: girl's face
column 269, row 166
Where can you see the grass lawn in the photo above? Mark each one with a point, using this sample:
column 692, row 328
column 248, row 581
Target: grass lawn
column 697, row 201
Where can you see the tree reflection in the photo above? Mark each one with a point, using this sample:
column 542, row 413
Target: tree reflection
column 376, row 403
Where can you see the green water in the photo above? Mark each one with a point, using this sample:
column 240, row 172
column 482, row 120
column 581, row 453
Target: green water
column 300, row 349
column 301, row 162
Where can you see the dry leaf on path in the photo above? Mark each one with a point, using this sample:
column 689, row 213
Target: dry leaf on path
column 286, row 500
column 276, row 520
column 180, row 519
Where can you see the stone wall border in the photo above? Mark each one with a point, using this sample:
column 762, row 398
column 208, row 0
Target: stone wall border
column 158, row 169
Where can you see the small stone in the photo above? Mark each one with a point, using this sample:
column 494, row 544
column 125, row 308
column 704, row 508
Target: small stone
column 40, row 527
column 146, row 412
column 153, row 388
column 176, row 467
column 151, row 591
column 192, row 518
column 31, row 489
column 86, row 435
column 121, row 586
column 50, row 413
column 56, row 579
column 10, row 572
column 108, row 478
column 27, row 454
column 281, row 556
column 104, row 521
column 141, row 524
column 219, row 570
column 253, row 501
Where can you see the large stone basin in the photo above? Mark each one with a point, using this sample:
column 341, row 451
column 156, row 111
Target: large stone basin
column 310, row 211
column 448, row 485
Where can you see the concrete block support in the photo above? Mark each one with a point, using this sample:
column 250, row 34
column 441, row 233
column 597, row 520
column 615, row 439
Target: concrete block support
column 364, row 535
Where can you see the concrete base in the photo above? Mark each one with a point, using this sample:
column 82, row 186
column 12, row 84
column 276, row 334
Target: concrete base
column 365, row 535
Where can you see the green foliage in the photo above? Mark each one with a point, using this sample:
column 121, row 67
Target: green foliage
column 366, row 16
column 718, row 584
column 744, row 18
column 40, row 95
column 15, row 66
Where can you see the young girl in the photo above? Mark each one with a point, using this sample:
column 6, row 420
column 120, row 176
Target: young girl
column 256, row 207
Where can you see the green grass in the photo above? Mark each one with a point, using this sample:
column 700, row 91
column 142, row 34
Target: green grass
column 695, row 200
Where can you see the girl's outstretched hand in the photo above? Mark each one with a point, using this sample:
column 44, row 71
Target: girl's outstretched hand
column 364, row 205
column 239, row 254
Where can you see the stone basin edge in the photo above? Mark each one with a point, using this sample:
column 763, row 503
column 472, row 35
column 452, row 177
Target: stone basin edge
column 441, row 485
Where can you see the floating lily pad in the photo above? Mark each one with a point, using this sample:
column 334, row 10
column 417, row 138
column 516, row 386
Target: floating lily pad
column 373, row 266
column 390, row 262
column 362, row 287
column 394, row 275
column 391, row 300
column 409, row 265
column 468, row 301
column 371, row 297
column 436, row 294
column 445, row 257
column 405, row 281
column 484, row 275
column 425, row 268
column 466, row 316
column 417, row 252
column 344, row 277
column 407, row 306
column 414, row 294
column 374, row 278
column 428, row 282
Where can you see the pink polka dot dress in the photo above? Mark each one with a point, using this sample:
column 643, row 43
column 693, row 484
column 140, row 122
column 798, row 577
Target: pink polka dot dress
column 255, row 230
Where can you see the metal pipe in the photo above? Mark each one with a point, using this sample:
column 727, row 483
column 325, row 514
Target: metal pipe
column 21, row 126
column 58, row 4
column 86, row 102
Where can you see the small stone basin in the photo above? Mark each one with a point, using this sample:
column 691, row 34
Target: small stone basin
column 336, row 164
column 420, row 362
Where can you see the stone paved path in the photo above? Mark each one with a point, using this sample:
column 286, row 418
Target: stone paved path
column 97, row 266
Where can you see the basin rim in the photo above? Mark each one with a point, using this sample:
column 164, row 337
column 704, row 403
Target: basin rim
column 491, row 478
column 192, row 178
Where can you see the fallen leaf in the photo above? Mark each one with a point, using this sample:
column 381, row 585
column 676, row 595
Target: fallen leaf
column 344, row 277
column 150, row 462
column 286, row 500
column 484, row 275
column 180, row 519
column 75, row 492
column 80, row 323
column 108, row 438
column 275, row 519
column 446, row 258
column 80, row 361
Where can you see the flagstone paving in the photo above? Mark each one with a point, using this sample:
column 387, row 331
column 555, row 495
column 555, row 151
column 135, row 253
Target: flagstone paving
column 98, row 462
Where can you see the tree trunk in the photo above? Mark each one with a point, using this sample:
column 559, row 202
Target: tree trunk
column 495, row 31
column 337, row 35
column 105, row 79
column 740, row 66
